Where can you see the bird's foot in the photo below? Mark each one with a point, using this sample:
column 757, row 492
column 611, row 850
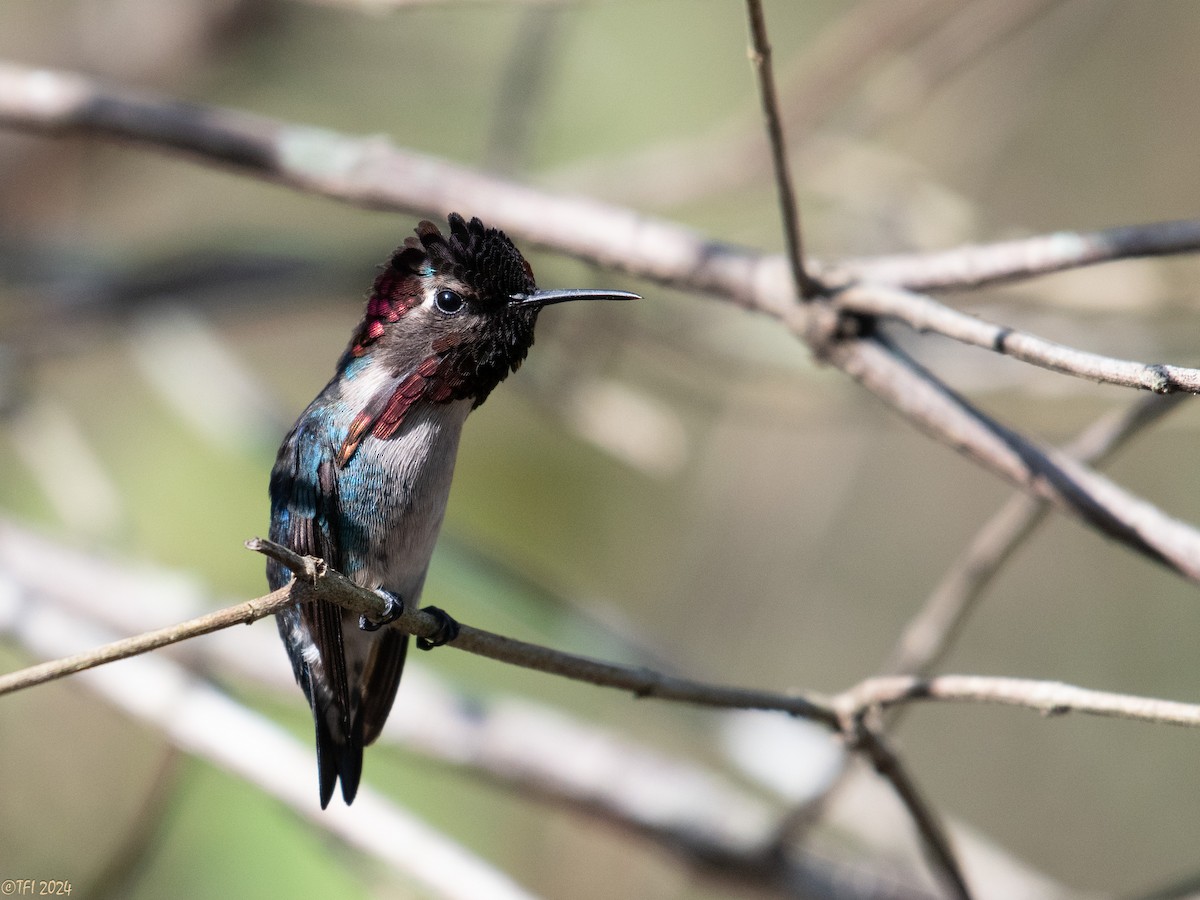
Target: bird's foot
column 392, row 611
column 447, row 629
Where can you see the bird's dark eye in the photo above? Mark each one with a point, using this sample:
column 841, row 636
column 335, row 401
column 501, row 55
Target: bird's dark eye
column 448, row 302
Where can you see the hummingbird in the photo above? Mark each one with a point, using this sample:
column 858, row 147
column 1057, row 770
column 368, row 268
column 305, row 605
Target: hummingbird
column 363, row 477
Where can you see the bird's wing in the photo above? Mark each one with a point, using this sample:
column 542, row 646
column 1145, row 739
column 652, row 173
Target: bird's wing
column 380, row 680
column 305, row 516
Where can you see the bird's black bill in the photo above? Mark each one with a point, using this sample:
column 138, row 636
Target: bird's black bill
column 545, row 298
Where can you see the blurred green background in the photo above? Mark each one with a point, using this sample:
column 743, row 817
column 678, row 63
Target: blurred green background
column 675, row 465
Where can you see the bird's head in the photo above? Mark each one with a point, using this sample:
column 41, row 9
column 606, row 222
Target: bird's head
column 463, row 306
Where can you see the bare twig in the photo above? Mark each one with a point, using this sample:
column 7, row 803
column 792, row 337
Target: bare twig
column 927, row 315
column 931, row 631
column 645, row 682
column 319, row 582
column 1046, row 473
column 934, row 838
column 1051, row 698
column 241, row 614
column 760, row 56
column 976, row 266
column 844, row 711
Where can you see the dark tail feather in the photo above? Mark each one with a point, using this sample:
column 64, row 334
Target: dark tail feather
column 340, row 750
column 338, row 757
column 339, row 739
column 346, row 718
column 326, row 764
column 379, row 685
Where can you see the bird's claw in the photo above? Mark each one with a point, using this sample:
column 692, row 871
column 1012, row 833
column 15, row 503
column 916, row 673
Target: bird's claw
column 447, row 629
column 393, row 610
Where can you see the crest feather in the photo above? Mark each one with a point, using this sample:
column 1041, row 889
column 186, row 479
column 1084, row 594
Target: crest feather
column 482, row 258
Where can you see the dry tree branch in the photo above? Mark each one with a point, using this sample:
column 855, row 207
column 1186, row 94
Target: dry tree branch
column 934, row 838
column 924, row 314
column 638, row 680
column 1041, row 472
column 331, row 586
column 1051, row 698
column 314, row 580
column 710, row 824
column 760, row 56
column 241, row 614
column 204, row 722
column 930, row 632
column 842, row 714
column 372, row 173
column 975, row 266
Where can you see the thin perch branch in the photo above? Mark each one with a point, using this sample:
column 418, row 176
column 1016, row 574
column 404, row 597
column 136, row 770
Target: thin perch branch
column 318, row 582
column 241, row 614
column 714, row 827
column 843, row 714
column 331, row 586
column 638, row 680
column 334, row 587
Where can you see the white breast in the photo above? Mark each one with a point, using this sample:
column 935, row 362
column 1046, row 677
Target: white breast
column 404, row 483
